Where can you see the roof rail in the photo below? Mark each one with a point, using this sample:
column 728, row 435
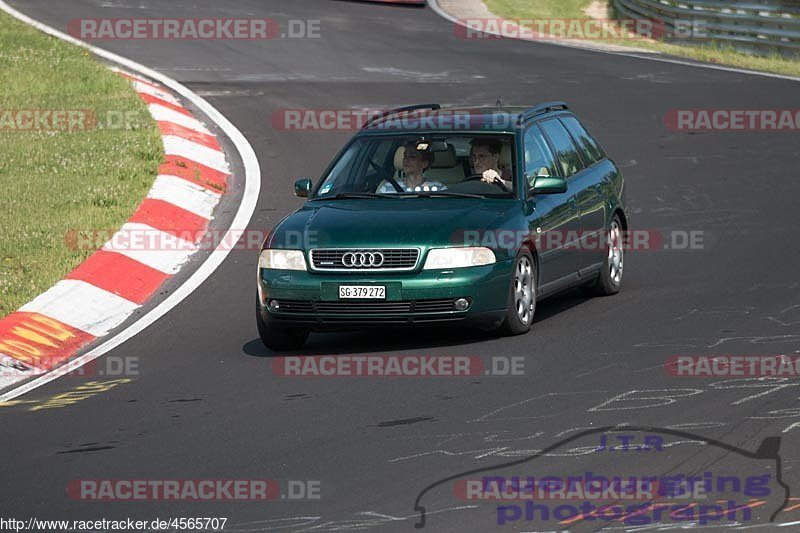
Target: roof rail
column 397, row 111
column 541, row 109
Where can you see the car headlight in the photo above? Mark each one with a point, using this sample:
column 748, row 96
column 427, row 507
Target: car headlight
column 444, row 258
column 282, row 260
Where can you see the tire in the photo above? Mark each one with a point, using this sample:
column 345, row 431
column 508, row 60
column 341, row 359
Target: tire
column 521, row 297
column 610, row 279
column 276, row 337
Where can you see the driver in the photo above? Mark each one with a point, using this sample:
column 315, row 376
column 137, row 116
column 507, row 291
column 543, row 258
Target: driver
column 415, row 163
column 484, row 156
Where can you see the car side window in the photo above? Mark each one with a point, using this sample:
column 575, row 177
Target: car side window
column 539, row 159
column 565, row 149
column 592, row 153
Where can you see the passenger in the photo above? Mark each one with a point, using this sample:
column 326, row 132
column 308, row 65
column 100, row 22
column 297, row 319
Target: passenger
column 415, row 163
column 484, row 156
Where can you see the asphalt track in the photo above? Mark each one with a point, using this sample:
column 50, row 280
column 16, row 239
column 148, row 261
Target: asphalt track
column 207, row 405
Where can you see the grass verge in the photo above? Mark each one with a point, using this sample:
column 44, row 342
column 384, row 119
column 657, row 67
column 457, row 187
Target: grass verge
column 716, row 53
column 56, row 178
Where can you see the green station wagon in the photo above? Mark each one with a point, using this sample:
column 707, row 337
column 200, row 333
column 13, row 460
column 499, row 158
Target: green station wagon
column 434, row 216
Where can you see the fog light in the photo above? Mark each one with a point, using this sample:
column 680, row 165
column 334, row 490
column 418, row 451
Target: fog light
column 462, row 304
column 274, row 305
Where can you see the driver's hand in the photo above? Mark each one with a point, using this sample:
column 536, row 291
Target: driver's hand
column 490, row 176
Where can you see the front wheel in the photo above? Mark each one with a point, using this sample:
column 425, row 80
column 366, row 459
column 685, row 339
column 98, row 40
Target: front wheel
column 522, row 297
column 277, row 337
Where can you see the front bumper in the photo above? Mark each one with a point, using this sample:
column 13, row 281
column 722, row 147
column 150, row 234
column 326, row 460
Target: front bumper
column 417, row 298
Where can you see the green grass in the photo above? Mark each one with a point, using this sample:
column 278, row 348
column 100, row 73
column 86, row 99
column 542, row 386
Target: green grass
column 716, row 53
column 538, row 9
column 57, row 181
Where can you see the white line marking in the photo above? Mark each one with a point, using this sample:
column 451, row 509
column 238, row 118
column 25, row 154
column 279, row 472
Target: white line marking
column 152, row 247
column 13, row 370
column 8, row 380
column 146, row 88
column 185, row 194
column 165, row 114
column 196, row 152
column 135, row 77
column 82, row 306
column 243, row 215
column 650, row 57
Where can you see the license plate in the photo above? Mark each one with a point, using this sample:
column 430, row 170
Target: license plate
column 363, row 292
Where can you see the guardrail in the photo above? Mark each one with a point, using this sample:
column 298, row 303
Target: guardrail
column 756, row 25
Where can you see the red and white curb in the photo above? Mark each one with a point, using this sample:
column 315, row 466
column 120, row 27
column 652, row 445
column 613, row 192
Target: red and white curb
column 115, row 281
column 176, row 166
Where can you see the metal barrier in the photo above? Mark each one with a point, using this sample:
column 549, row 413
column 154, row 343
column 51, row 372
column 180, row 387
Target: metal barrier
column 758, row 25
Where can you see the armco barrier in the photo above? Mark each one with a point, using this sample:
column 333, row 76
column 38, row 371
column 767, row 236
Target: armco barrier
column 758, row 25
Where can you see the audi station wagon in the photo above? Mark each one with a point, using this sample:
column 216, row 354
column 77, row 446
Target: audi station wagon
column 440, row 217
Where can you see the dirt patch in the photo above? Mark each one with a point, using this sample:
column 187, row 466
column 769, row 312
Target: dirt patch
column 597, row 10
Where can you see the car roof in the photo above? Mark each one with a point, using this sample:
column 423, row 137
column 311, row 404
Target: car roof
column 434, row 118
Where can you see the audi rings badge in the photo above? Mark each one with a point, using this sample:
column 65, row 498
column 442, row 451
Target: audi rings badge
column 363, row 260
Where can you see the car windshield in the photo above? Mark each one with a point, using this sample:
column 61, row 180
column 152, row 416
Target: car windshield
column 439, row 166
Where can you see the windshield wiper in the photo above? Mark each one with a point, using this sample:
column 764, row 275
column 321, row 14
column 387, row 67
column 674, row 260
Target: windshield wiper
column 356, row 196
column 431, row 194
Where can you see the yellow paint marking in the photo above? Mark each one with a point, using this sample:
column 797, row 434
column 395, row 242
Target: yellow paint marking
column 32, row 336
column 83, row 392
column 20, row 350
column 56, row 329
column 12, row 403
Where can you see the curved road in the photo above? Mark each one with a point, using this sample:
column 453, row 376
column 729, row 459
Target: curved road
column 207, row 406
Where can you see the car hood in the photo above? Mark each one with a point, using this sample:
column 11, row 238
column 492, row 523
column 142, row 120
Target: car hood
column 376, row 223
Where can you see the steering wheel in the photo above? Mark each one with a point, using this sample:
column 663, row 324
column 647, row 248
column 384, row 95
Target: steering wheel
column 389, row 179
column 497, row 181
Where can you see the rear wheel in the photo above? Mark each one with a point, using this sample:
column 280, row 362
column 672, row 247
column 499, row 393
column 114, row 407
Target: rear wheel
column 278, row 337
column 522, row 297
column 610, row 279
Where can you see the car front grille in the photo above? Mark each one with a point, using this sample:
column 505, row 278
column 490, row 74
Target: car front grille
column 364, row 260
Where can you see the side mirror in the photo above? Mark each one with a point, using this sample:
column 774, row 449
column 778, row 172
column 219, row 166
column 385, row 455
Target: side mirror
column 548, row 185
column 302, row 187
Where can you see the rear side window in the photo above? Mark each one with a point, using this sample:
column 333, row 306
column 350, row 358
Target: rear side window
column 539, row 159
column 592, row 153
column 565, row 149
